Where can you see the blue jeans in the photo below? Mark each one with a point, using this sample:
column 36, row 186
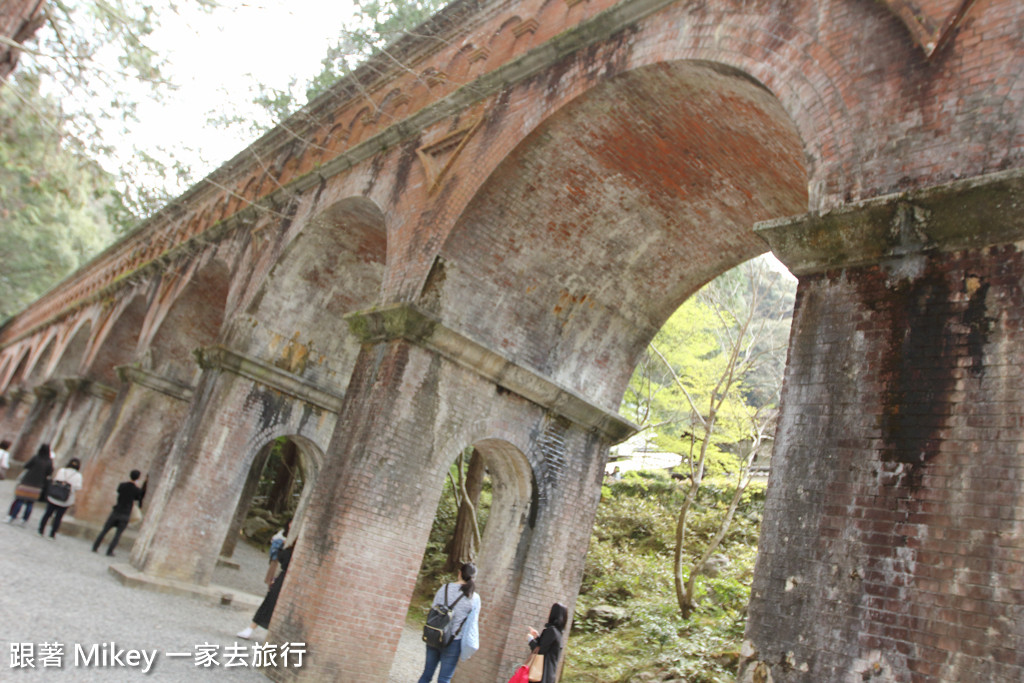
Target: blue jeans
column 447, row 657
column 16, row 507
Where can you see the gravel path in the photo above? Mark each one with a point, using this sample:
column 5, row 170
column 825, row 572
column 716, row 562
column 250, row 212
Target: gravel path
column 60, row 592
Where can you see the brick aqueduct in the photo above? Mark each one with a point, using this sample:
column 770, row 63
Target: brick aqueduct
column 471, row 241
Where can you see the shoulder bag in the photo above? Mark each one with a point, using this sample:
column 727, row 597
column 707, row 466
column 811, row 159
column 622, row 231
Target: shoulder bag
column 536, row 666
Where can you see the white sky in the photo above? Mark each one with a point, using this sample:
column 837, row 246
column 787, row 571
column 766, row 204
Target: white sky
column 216, row 58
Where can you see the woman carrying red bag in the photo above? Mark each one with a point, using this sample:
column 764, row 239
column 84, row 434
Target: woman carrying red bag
column 548, row 643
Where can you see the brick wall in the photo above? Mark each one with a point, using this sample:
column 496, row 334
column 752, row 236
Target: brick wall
column 193, row 505
column 140, row 437
column 890, row 548
column 407, row 415
column 602, row 161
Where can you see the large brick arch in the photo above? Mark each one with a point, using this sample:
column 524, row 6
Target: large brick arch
column 256, row 455
column 613, row 211
column 118, row 338
column 190, row 320
column 332, row 266
column 514, row 489
column 73, row 351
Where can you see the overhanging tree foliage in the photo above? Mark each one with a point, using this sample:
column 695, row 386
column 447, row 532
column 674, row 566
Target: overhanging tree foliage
column 63, row 194
column 56, row 205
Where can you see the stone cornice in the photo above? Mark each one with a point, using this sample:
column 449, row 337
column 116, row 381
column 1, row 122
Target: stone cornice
column 405, row 321
column 965, row 214
column 90, row 387
column 222, row 358
column 158, row 383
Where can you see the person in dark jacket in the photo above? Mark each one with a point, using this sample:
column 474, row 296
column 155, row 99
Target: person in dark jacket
column 30, row 486
column 128, row 493
column 266, row 608
column 549, row 641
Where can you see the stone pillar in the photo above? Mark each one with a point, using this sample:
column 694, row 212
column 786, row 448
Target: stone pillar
column 891, row 547
column 240, row 405
column 146, row 417
column 419, row 394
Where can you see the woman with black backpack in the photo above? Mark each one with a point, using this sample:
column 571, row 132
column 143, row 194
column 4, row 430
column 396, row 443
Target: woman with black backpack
column 459, row 638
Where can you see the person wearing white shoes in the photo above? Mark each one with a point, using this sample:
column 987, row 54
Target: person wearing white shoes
column 266, row 608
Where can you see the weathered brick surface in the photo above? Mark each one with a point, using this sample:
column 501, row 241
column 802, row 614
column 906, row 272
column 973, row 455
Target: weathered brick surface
column 139, row 437
column 375, row 501
column 890, row 547
column 873, row 112
column 218, row 445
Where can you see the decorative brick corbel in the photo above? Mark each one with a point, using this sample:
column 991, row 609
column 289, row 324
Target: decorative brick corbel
column 524, row 27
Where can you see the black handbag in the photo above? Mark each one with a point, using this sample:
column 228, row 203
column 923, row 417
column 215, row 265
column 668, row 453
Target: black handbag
column 58, row 491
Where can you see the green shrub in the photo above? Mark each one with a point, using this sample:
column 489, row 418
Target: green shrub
column 629, row 566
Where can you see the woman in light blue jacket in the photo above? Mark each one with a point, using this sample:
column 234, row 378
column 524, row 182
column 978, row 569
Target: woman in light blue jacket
column 465, row 604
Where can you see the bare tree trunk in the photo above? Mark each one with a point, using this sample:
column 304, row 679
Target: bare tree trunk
column 466, row 539
column 684, row 592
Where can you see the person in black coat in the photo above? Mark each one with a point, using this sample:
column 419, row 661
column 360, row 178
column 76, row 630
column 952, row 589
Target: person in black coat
column 549, row 641
column 32, row 484
column 128, row 493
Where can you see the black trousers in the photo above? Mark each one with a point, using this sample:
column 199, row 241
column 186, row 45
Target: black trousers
column 114, row 521
column 58, row 513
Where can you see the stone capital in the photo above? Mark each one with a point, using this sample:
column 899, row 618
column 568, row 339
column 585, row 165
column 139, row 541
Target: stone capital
column 225, row 359
column 158, row 383
column 22, row 395
column 406, row 321
column 49, row 391
column 965, row 214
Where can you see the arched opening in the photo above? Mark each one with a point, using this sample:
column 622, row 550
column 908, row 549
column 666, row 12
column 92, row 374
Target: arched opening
column 496, row 474
column 36, row 373
column 16, row 369
column 276, row 495
column 706, row 398
column 612, row 213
